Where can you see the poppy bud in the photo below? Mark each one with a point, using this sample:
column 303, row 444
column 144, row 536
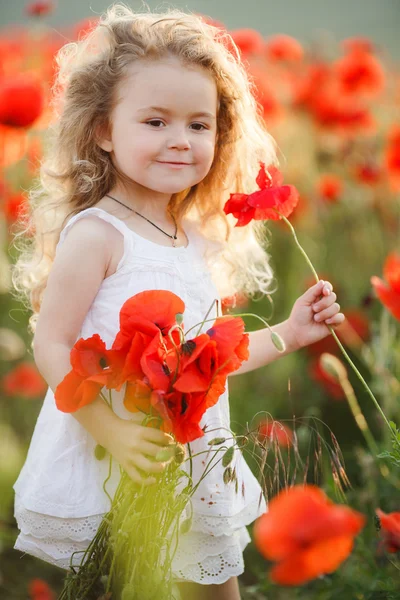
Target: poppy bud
column 180, row 454
column 228, row 456
column 216, row 441
column 166, row 454
column 333, row 366
column 227, row 476
column 278, row 341
column 179, row 318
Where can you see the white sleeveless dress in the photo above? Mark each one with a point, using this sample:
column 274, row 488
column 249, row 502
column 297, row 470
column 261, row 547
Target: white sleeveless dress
column 59, row 496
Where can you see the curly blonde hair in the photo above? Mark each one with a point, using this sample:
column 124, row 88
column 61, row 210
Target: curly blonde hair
column 76, row 173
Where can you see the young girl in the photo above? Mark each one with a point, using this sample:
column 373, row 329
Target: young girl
column 157, row 126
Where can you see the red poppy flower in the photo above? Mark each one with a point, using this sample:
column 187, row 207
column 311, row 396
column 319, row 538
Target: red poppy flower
column 236, row 300
column 360, row 73
column 259, row 205
column 284, row 48
column 390, row 530
column 39, row 9
column 358, row 44
column 40, row 590
column 272, row 431
column 24, row 380
column 330, row 187
column 249, row 41
column 265, row 94
column 389, row 293
column 328, row 382
column 344, row 114
column 306, row 534
column 210, row 358
column 149, row 312
column 21, row 100
column 92, row 369
column 15, row 206
column 310, row 83
column 392, row 157
column 368, row 173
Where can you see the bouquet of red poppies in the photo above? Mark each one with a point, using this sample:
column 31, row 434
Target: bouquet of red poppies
column 172, row 379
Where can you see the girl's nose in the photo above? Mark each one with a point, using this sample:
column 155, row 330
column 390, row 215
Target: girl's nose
column 179, row 140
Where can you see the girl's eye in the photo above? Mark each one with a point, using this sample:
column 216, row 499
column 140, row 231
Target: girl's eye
column 199, row 125
column 154, row 121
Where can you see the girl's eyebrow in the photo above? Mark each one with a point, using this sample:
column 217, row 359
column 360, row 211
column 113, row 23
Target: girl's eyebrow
column 168, row 112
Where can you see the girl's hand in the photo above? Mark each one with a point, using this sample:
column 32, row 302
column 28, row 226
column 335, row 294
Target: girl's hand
column 312, row 312
column 135, row 447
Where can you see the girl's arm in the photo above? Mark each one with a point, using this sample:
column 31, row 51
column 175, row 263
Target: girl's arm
column 307, row 324
column 261, row 349
column 76, row 275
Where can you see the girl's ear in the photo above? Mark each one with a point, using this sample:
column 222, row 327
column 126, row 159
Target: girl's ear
column 103, row 137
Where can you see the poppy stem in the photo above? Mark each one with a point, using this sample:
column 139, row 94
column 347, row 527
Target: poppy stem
column 347, row 357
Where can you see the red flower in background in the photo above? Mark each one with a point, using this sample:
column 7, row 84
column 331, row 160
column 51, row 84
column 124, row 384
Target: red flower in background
column 40, row 590
column 237, row 300
column 265, row 94
column 15, row 206
column 21, row 100
column 353, row 332
column 329, row 187
column 389, row 293
column 259, row 205
column 39, row 9
column 249, row 41
column 358, row 44
column 360, row 72
column 390, row 530
column 368, row 173
column 284, row 48
column 392, row 157
column 272, row 431
column 305, row 534
column 24, row 380
column 344, row 114
column 329, row 383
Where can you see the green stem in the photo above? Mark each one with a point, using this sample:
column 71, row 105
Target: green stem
column 360, row 377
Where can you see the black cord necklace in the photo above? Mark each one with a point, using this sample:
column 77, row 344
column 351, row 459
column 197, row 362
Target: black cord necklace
column 173, row 237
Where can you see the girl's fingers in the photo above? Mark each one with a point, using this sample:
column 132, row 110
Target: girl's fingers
column 147, row 465
column 149, row 448
column 137, row 478
column 324, row 302
column 328, row 313
column 157, row 436
column 336, row 320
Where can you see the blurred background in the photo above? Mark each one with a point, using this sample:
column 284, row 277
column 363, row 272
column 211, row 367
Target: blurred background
column 328, row 86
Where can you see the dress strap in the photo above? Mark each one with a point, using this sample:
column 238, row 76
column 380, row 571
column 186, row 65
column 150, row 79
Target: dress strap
column 105, row 216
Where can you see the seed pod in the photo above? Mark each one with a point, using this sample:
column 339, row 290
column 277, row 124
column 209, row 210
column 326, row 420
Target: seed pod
column 179, row 318
column 227, row 476
column 99, row 452
column 180, row 454
column 216, row 441
column 278, row 341
column 228, row 456
column 165, row 454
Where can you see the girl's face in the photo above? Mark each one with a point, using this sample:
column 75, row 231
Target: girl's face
column 163, row 127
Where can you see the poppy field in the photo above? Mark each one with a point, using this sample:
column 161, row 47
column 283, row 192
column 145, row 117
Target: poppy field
column 320, row 427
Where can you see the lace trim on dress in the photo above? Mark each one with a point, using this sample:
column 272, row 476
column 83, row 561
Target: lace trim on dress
column 224, row 558
column 83, row 528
